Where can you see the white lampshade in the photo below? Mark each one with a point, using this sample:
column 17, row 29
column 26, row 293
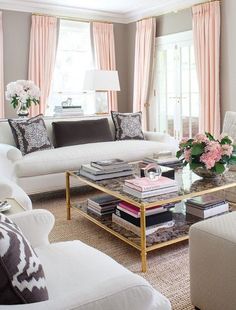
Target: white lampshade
column 101, row 80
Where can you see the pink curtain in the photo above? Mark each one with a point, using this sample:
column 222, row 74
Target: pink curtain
column 104, row 47
column 206, row 32
column 2, row 114
column 144, row 51
column 43, row 39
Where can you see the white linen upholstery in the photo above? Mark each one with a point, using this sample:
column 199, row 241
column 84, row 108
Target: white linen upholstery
column 212, row 263
column 82, row 278
column 72, row 157
column 34, row 172
column 9, row 189
column 36, row 224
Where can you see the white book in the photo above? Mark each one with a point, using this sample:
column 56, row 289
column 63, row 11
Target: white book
column 152, row 193
column 135, row 229
column 205, row 213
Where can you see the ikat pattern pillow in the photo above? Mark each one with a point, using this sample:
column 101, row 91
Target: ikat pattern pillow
column 30, row 135
column 22, row 275
column 128, row 126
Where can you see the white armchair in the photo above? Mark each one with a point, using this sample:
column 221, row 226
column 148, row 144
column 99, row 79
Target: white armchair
column 80, row 277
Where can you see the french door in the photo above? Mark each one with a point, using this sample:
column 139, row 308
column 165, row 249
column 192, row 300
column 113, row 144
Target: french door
column 176, row 94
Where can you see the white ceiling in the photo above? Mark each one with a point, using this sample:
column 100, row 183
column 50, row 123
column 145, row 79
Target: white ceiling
column 123, row 11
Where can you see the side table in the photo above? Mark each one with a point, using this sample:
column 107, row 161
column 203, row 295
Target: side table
column 16, row 207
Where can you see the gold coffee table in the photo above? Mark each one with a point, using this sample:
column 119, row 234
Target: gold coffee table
column 190, row 185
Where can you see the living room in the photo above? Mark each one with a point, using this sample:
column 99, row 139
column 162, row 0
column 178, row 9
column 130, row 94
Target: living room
column 117, row 154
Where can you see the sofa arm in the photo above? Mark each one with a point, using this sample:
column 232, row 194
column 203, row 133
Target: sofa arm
column 35, row 225
column 161, row 137
column 9, row 154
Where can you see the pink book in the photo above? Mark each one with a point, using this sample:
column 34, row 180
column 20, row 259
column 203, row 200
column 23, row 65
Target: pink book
column 145, row 184
column 129, row 207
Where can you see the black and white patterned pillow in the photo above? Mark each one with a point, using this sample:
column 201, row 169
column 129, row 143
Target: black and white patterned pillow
column 22, row 277
column 128, row 126
column 30, row 135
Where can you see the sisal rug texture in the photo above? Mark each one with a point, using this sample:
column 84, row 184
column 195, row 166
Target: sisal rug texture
column 168, row 268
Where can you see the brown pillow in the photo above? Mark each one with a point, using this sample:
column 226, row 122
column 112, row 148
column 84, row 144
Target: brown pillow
column 22, row 278
column 30, row 135
column 80, row 132
column 128, row 126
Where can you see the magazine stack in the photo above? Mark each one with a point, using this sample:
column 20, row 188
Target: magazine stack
column 106, row 169
column 128, row 216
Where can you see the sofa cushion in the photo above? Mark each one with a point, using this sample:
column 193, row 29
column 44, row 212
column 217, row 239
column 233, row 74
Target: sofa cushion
column 94, row 281
column 128, row 125
column 22, row 276
column 30, row 135
column 72, row 157
column 80, row 132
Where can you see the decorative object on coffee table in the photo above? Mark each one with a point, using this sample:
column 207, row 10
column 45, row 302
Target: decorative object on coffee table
column 207, row 156
column 22, row 94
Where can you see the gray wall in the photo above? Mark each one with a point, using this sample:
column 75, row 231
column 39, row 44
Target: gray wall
column 120, row 34
column 16, row 34
column 228, row 55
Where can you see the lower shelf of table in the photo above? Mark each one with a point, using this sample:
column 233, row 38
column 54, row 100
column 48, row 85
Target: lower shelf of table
column 161, row 238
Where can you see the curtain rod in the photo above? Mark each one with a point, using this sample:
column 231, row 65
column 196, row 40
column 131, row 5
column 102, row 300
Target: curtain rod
column 72, row 18
column 182, row 9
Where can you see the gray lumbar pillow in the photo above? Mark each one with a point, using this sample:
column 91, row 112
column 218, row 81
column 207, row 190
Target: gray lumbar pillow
column 30, row 135
column 128, row 126
column 22, row 277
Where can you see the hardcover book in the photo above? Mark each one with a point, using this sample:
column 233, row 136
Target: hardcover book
column 146, row 184
column 205, row 201
column 150, row 220
column 152, row 193
column 136, row 230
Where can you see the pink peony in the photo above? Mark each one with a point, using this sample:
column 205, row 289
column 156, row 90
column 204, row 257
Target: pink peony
column 182, row 141
column 213, row 153
column 187, row 155
column 227, row 149
column 200, row 137
column 208, row 160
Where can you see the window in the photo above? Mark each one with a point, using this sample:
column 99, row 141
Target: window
column 176, row 92
column 73, row 58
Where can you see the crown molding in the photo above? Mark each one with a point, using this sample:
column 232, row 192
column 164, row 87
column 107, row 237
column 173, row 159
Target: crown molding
column 61, row 10
column 154, row 9
column 144, row 9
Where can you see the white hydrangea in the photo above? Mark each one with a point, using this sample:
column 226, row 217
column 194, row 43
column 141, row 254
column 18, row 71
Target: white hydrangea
column 22, row 91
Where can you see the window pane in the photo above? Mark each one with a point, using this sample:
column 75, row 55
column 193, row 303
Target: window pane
column 73, row 58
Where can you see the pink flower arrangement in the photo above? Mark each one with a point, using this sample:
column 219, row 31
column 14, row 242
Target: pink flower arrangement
column 206, row 151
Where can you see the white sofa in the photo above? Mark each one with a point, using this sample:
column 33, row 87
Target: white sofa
column 43, row 171
column 80, row 277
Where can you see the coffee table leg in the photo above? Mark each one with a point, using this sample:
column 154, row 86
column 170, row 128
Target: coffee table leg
column 143, row 239
column 68, row 196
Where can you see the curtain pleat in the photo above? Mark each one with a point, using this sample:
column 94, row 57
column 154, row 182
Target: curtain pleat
column 43, row 39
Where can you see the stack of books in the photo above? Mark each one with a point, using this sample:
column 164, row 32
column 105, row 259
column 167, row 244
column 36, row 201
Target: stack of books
column 145, row 187
column 106, row 169
column 164, row 159
column 128, row 217
column 102, row 205
column 68, row 110
column 206, row 206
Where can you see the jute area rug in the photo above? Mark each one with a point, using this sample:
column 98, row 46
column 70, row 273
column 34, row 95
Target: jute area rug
column 168, row 268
